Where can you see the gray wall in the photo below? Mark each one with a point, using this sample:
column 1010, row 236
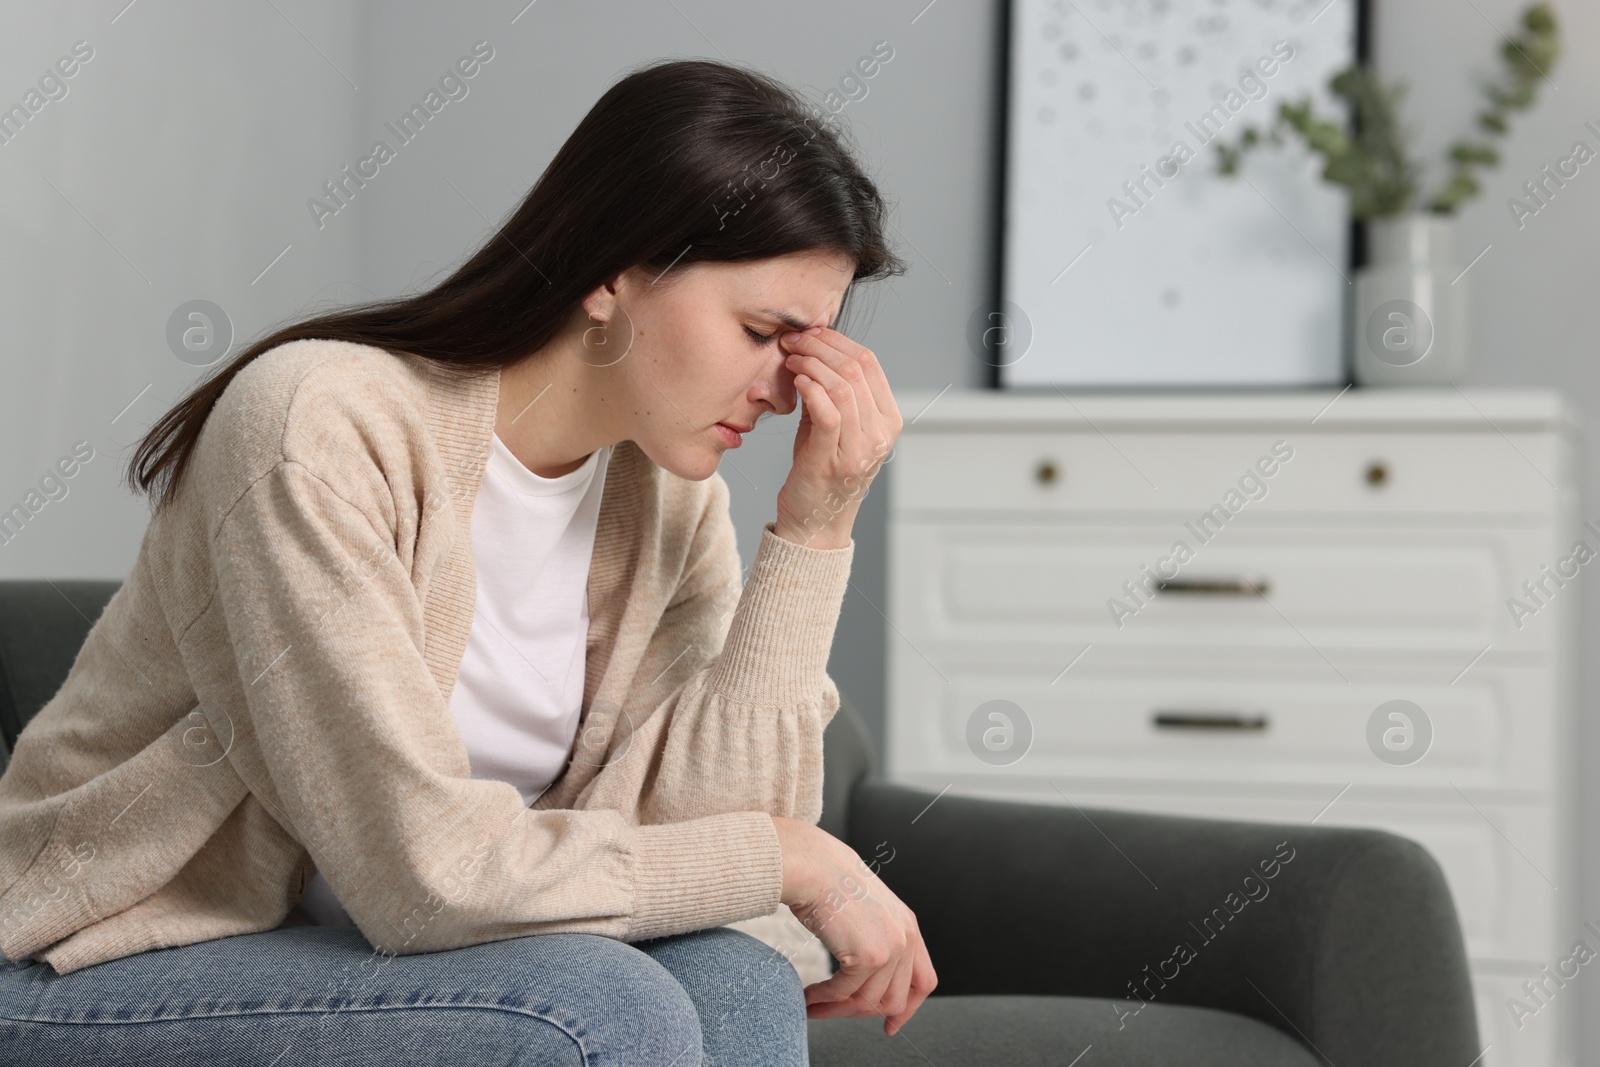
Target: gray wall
column 1532, row 311
column 176, row 167
column 179, row 163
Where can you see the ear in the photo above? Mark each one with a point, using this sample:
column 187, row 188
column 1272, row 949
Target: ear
column 600, row 302
column 630, row 281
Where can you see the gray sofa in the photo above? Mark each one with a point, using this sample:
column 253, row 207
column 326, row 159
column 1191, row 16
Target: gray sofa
column 1097, row 938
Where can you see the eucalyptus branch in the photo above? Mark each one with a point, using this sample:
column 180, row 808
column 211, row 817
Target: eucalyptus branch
column 1372, row 163
column 1528, row 60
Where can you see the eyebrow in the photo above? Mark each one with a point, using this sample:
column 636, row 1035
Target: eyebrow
column 789, row 318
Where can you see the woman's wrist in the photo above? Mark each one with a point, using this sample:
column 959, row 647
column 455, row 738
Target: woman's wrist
column 793, row 843
column 826, row 537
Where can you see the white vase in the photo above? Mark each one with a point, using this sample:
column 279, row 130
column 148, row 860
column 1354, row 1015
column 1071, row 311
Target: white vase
column 1408, row 311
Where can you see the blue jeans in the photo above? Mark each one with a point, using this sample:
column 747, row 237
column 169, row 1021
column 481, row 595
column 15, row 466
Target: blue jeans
column 303, row 995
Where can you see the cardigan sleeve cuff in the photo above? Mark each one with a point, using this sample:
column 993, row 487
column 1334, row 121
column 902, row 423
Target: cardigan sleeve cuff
column 777, row 646
column 704, row 872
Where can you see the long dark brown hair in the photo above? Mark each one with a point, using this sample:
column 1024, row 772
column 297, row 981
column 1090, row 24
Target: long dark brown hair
column 679, row 162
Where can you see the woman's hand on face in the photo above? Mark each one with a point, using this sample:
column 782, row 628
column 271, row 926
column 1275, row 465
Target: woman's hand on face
column 884, row 969
column 848, row 425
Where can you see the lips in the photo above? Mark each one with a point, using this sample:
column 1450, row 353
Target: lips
column 731, row 436
column 736, row 428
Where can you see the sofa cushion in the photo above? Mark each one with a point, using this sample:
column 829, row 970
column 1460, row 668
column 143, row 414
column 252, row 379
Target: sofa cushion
column 1023, row 1031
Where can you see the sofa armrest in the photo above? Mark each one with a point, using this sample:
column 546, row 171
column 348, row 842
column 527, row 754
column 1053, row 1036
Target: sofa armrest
column 43, row 626
column 1345, row 939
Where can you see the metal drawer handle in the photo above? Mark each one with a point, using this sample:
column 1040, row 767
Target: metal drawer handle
column 1215, row 586
column 1209, row 720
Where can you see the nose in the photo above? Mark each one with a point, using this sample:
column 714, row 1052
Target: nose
column 776, row 389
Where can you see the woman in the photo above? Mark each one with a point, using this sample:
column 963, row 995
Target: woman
column 438, row 630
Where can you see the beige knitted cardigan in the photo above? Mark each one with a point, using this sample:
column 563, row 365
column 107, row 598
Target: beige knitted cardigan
column 267, row 695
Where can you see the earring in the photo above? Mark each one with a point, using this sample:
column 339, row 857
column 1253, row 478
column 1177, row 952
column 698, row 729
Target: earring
column 600, row 343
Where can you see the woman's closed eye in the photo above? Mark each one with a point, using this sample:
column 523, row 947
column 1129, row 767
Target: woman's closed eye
column 762, row 339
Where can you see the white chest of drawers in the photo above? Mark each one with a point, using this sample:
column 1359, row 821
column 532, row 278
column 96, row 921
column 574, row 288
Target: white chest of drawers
column 1199, row 604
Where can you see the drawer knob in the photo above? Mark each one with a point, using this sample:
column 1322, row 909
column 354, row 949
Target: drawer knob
column 1046, row 472
column 1377, row 473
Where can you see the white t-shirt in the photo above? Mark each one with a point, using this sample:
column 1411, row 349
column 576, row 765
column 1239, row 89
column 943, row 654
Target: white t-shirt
column 519, row 693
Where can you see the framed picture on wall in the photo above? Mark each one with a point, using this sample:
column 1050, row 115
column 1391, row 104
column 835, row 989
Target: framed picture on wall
column 1127, row 259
